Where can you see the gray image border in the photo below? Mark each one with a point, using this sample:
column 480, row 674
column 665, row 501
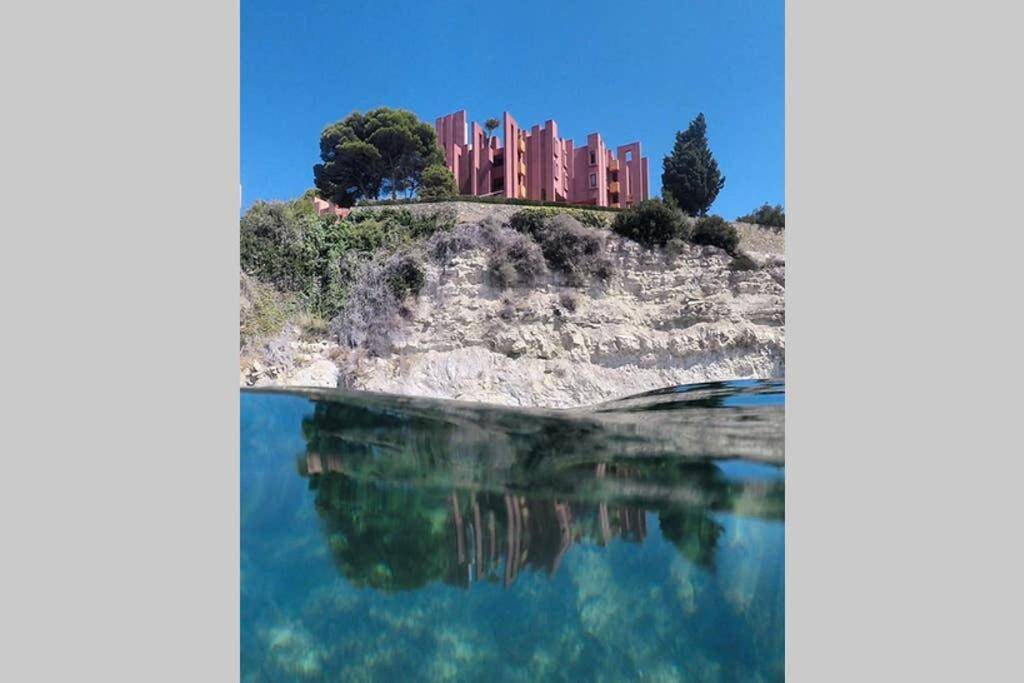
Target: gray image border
column 119, row 491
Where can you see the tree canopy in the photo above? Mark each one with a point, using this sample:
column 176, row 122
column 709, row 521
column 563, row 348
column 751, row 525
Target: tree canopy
column 438, row 183
column 691, row 176
column 384, row 150
column 490, row 125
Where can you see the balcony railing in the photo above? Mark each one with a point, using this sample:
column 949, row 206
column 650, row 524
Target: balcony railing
column 613, row 165
column 613, row 186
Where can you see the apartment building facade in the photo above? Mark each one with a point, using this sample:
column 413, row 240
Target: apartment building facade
column 538, row 164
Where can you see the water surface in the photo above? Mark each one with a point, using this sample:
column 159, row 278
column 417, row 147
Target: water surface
column 391, row 538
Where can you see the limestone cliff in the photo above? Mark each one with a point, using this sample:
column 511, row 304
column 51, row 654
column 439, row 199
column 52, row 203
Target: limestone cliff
column 661, row 319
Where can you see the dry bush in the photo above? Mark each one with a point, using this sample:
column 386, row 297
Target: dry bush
column 373, row 312
column 574, row 250
column 443, row 247
column 516, row 262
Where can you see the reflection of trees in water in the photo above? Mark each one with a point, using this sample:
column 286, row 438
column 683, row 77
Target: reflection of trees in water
column 695, row 535
column 407, row 499
column 380, row 537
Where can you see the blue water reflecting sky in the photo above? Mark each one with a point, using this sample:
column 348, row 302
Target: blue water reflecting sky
column 348, row 577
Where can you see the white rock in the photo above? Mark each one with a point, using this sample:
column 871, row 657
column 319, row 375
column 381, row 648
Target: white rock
column 658, row 322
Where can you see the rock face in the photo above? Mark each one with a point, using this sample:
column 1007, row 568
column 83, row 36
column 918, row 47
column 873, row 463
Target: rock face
column 661, row 319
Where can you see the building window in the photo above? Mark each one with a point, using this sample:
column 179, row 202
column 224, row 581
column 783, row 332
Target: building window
column 629, row 155
column 593, row 158
column 593, row 180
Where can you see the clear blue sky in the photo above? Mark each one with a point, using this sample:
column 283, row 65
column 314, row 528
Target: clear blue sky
column 630, row 70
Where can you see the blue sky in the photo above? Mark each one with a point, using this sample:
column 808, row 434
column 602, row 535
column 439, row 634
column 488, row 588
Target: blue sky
column 630, row 70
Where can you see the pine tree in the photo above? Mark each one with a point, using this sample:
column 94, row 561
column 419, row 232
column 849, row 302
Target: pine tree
column 382, row 150
column 691, row 175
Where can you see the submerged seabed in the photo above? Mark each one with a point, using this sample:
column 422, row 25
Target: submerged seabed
column 395, row 538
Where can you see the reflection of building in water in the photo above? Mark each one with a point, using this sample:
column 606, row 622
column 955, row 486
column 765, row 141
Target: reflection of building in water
column 318, row 464
column 486, row 536
column 496, row 536
column 499, row 535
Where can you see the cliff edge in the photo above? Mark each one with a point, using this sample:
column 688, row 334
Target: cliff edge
column 661, row 318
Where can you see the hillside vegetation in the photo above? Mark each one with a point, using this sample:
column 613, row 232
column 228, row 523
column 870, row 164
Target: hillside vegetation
column 352, row 276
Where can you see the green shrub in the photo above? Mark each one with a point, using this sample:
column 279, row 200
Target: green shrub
column 271, row 238
column 316, row 257
column 390, row 228
column 530, row 220
column 405, row 275
column 518, row 262
column 742, row 261
column 367, row 233
column 715, row 231
column 675, row 246
column 303, row 206
column 651, row 222
column 587, row 218
column 292, row 250
column 766, row 214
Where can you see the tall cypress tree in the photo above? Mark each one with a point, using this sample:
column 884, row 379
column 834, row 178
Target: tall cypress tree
column 691, row 174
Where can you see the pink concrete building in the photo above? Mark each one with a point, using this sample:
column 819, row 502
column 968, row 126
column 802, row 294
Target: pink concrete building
column 538, row 164
column 323, row 206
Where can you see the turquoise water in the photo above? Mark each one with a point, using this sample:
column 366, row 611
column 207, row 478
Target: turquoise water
column 389, row 538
